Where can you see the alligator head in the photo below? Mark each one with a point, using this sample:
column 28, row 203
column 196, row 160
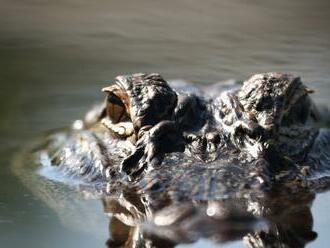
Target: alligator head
column 271, row 113
column 190, row 154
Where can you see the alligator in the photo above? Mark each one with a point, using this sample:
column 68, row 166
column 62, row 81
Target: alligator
column 179, row 155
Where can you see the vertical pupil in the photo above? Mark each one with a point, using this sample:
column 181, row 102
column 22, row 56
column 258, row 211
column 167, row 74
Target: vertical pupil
column 116, row 108
column 112, row 98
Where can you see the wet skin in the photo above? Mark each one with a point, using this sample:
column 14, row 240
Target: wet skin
column 262, row 130
column 270, row 114
column 153, row 150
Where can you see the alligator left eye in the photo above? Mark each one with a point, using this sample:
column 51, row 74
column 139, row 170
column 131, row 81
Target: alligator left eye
column 115, row 108
column 112, row 98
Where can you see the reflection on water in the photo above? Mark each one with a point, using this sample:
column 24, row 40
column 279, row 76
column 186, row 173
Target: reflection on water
column 286, row 222
column 278, row 218
column 258, row 222
column 56, row 55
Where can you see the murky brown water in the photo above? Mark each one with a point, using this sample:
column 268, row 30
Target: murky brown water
column 56, row 55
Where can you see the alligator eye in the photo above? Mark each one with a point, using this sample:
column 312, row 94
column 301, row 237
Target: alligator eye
column 115, row 112
column 113, row 99
column 116, row 108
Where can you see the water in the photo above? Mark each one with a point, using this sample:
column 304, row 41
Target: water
column 56, row 55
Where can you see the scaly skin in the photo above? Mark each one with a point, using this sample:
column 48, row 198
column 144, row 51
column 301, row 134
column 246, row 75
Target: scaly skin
column 255, row 119
column 270, row 118
column 184, row 159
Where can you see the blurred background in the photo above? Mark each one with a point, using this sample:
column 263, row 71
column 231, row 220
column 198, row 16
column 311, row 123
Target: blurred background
column 55, row 56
